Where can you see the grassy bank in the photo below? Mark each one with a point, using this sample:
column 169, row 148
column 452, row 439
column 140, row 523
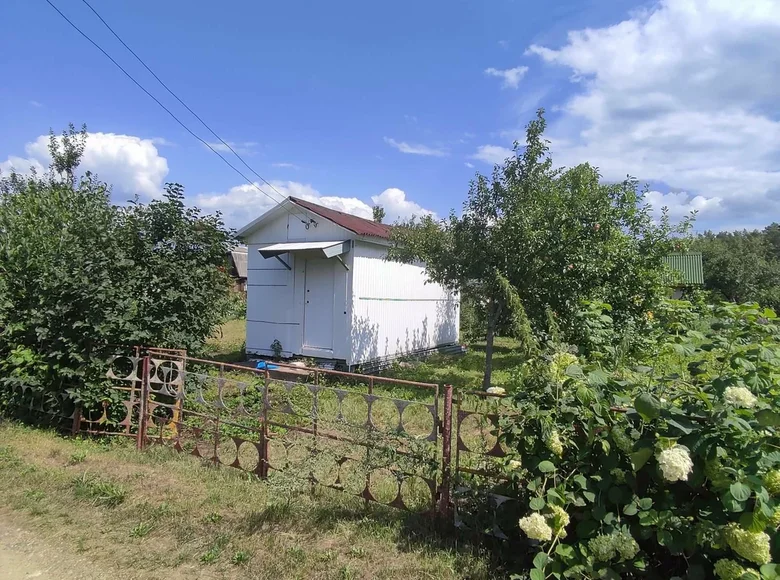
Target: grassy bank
column 159, row 514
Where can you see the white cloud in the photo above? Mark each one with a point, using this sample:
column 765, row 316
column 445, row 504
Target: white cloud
column 503, row 44
column 469, row 165
column 397, row 207
column 131, row 165
column 239, row 147
column 415, row 149
column 683, row 93
column 492, row 154
column 162, row 141
column 510, row 76
column 243, row 203
column 36, row 104
column 285, row 165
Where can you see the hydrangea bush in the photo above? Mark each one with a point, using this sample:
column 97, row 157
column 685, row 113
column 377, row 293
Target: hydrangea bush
column 665, row 469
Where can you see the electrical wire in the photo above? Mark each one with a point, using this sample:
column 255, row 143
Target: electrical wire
column 175, row 96
column 171, row 114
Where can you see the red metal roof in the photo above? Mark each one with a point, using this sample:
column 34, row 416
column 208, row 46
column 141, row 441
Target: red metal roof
column 360, row 226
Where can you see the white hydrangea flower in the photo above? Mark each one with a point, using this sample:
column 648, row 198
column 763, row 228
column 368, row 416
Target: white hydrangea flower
column 535, row 527
column 753, row 546
column 515, row 464
column 675, row 463
column 554, row 444
column 496, row 391
column 740, row 397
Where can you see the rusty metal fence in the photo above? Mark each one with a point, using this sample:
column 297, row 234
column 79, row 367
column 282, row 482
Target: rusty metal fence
column 384, row 440
column 409, row 445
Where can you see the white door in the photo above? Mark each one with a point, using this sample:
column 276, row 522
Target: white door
column 318, row 308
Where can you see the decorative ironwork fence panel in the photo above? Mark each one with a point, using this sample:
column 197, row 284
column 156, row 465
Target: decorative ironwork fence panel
column 480, row 475
column 381, row 439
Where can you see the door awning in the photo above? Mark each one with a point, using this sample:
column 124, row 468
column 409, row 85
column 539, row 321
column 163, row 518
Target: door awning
column 314, row 249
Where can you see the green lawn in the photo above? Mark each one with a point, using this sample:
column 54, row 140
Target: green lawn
column 228, row 340
column 463, row 371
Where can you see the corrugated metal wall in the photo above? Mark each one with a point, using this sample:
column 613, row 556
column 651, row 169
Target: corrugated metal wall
column 688, row 266
column 394, row 311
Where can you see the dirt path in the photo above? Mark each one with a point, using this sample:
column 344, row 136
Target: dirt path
column 25, row 555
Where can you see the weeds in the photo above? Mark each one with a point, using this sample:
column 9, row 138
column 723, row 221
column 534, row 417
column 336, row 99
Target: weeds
column 100, row 492
column 77, row 457
column 240, row 557
column 141, row 530
column 215, row 551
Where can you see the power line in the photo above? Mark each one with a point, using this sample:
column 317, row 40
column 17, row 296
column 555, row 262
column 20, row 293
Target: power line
column 175, row 96
column 167, row 110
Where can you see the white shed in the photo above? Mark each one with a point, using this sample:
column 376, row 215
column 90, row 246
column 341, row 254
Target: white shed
column 318, row 282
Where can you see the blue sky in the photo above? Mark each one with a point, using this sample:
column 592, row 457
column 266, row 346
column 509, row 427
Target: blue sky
column 353, row 103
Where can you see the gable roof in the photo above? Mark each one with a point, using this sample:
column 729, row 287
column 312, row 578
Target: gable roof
column 238, row 256
column 357, row 225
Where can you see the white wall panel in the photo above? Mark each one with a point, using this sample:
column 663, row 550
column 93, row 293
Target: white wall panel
column 289, row 228
column 394, row 310
column 271, row 307
column 275, row 295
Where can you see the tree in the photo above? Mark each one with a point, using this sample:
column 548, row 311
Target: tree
column 81, row 276
column 379, row 214
column 534, row 239
column 742, row 266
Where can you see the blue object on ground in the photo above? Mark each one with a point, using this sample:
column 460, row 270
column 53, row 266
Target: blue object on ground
column 262, row 365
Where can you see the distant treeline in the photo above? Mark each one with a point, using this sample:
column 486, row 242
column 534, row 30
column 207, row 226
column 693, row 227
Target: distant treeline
column 742, row 266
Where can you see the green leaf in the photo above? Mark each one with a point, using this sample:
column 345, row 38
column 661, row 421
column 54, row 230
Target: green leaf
column 740, row 491
column 770, row 571
column 647, row 406
column 645, row 503
column 640, row 457
column 564, row 550
column 767, row 418
column 590, row 496
column 580, row 480
column 537, row 574
column 648, row 518
column 631, row 509
column 546, row 467
column 731, row 504
column 541, row 560
column 598, row 378
column 682, row 424
column 537, row 503
column 575, row 372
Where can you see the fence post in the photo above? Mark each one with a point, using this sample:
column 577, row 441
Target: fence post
column 76, row 427
column 143, row 411
column 445, row 491
column 264, row 430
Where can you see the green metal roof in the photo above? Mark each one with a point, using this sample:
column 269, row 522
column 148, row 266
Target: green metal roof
column 688, row 266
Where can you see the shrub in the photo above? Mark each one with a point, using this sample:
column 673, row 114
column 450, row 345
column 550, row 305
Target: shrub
column 668, row 468
column 79, row 276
